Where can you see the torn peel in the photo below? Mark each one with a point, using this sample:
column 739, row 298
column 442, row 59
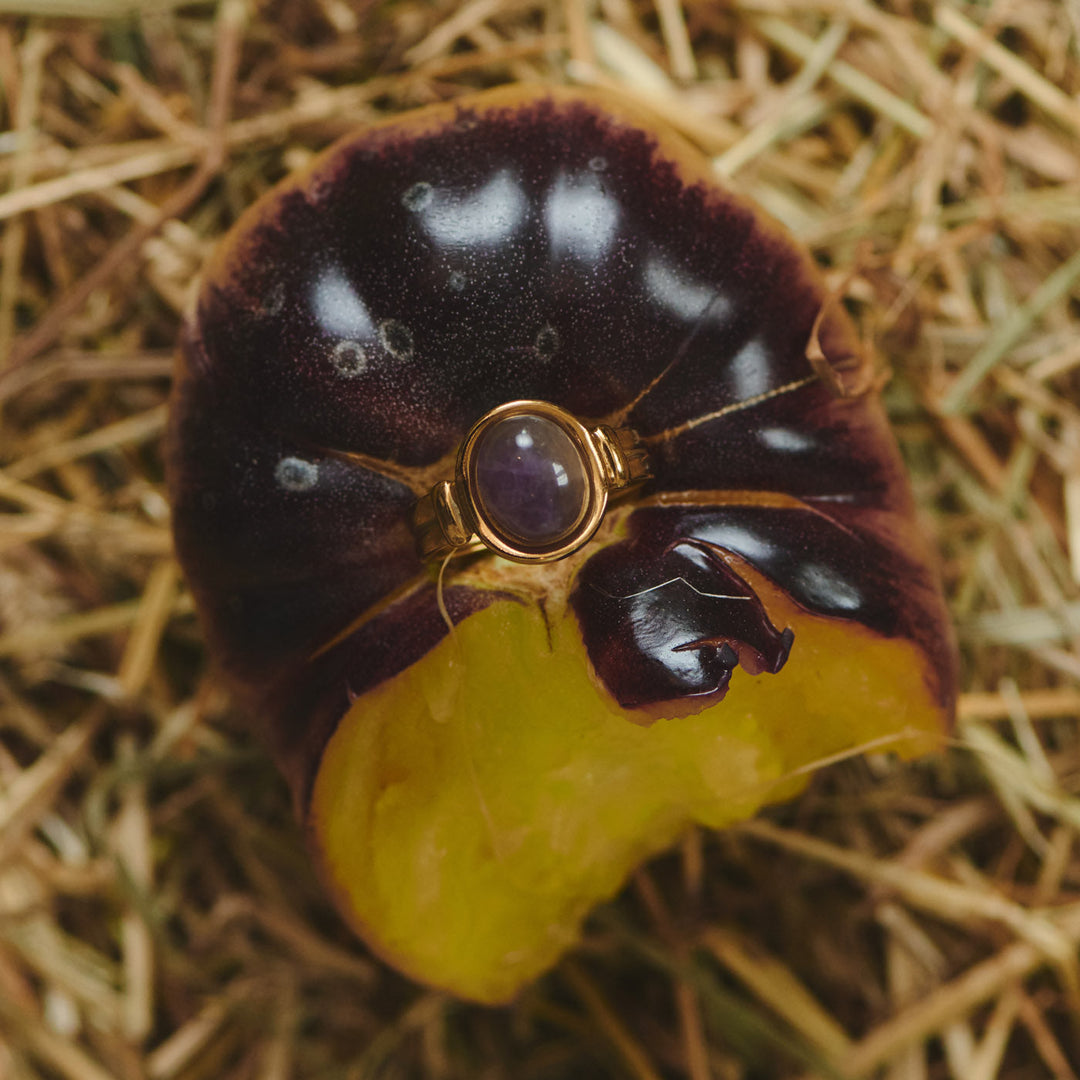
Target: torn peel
column 467, row 843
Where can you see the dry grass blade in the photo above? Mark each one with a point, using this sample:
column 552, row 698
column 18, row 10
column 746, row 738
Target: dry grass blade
column 1008, row 335
column 157, row 918
column 947, row 1003
column 775, row 985
column 86, row 9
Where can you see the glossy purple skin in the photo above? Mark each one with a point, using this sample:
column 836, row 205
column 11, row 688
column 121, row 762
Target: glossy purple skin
column 425, row 273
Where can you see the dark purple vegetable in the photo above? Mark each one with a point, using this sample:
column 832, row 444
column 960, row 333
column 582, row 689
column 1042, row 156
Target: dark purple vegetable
column 553, row 246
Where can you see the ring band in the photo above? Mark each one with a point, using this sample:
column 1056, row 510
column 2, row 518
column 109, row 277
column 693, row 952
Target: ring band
column 531, row 484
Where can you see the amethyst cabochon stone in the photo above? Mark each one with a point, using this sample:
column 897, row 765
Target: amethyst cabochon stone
column 531, row 482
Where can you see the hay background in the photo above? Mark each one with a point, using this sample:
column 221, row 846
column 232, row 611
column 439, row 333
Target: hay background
column 156, row 917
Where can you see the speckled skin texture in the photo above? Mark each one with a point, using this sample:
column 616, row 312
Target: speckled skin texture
column 366, row 314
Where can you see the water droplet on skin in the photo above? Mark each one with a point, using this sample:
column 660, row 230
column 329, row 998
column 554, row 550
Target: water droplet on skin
column 274, row 300
column 295, row 474
column 397, row 339
column 457, row 281
column 547, row 342
column 598, row 164
column 418, row 196
column 349, row 358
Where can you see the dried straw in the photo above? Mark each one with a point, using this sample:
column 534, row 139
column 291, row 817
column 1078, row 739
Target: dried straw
column 157, row 921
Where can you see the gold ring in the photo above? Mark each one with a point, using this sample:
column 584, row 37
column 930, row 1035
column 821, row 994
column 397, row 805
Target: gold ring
column 531, row 484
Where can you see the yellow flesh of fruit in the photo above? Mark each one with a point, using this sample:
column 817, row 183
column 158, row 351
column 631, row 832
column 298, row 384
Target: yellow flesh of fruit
column 471, row 811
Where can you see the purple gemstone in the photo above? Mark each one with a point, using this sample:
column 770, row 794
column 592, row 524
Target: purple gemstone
column 530, row 480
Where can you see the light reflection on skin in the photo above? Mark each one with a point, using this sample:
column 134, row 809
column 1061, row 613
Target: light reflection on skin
column 581, row 219
column 683, row 296
column 658, row 631
column 749, row 372
column 786, row 440
column 823, row 585
column 338, row 309
column 481, row 218
column 750, row 545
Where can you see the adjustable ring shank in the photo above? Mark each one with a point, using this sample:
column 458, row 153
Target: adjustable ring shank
column 439, row 522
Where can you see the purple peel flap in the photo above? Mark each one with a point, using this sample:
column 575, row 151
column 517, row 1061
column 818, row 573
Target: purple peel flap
column 672, row 624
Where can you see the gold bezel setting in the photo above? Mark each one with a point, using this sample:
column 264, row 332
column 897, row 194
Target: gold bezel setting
column 501, row 540
column 453, row 516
